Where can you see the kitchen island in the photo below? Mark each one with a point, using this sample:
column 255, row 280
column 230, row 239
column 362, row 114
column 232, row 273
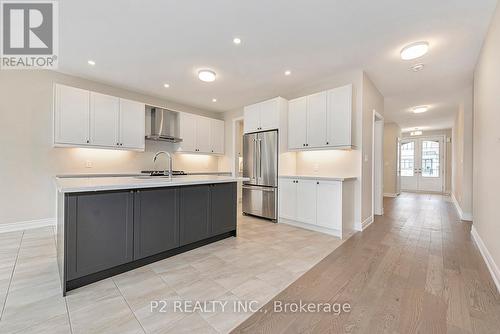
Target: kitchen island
column 109, row 225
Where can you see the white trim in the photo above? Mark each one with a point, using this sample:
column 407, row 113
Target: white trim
column 233, row 139
column 19, row 226
column 380, row 169
column 367, row 222
column 490, row 263
column 390, row 195
column 334, row 232
column 463, row 215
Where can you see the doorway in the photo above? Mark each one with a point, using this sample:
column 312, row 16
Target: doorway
column 422, row 164
column 237, row 161
column 378, row 164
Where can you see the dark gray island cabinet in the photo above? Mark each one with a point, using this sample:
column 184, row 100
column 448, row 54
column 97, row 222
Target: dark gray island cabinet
column 107, row 232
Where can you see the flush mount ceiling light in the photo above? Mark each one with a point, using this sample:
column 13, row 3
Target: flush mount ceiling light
column 420, row 109
column 91, row 62
column 166, row 85
column 417, row 67
column 417, row 132
column 288, row 72
column 237, row 41
column 206, row 75
column 414, row 50
column 214, row 100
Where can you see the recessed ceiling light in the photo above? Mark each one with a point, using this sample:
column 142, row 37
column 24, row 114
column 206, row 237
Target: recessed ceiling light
column 236, row 40
column 206, row 75
column 420, row 109
column 91, row 62
column 214, row 100
column 166, row 85
column 414, row 50
column 288, row 72
column 417, row 67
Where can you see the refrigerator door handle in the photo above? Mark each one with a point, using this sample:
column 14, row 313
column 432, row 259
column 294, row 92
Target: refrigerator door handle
column 260, row 159
column 256, row 176
column 259, row 188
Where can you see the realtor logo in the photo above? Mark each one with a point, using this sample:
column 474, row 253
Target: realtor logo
column 29, row 34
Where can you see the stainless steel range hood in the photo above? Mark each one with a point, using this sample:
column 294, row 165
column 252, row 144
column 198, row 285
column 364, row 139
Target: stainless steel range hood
column 164, row 125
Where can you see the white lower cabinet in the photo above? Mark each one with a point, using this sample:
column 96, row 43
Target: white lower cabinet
column 287, row 198
column 328, row 194
column 321, row 205
column 306, row 201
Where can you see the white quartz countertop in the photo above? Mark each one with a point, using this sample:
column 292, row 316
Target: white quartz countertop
column 317, row 177
column 84, row 184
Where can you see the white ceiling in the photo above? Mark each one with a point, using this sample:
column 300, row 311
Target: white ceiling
column 141, row 45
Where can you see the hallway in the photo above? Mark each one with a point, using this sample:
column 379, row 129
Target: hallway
column 414, row 270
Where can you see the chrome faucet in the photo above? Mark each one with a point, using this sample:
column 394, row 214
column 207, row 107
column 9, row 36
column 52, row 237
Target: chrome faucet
column 169, row 162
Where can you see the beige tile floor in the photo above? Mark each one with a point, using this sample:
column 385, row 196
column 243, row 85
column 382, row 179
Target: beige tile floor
column 263, row 260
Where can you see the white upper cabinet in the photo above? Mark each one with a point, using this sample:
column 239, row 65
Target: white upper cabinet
column 252, row 118
column 269, row 115
column 132, row 124
column 201, row 134
column 187, row 131
column 217, row 136
column 84, row 118
column 264, row 115
column 340, row 116
column 321, row 120
column 71, row 116
column 104, row 117
column 316, row 120
column 297, row 120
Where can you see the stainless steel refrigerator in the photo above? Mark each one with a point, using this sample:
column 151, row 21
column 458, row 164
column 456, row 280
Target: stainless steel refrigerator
column 260, row 164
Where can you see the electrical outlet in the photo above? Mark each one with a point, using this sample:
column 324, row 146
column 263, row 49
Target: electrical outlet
column 316, row 167
column 88, row 164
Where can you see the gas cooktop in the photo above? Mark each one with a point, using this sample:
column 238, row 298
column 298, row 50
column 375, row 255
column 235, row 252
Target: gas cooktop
column 163, row 172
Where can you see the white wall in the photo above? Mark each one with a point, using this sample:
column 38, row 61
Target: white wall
column 29, row 162
column 392, row 132
column 461, row 185
column 372, row 100
column 486, row 181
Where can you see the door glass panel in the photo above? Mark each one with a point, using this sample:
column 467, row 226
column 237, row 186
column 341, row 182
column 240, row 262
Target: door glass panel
column 430, row 158
column 407, row 158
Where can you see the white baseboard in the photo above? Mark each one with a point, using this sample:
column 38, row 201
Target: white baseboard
column 463, row 215
column 490, row 263
column 19, row 226
column 315, row 228
column 390, row 195
column 367, row 222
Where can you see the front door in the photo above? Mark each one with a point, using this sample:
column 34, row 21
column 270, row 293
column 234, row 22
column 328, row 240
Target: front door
column 421, row 164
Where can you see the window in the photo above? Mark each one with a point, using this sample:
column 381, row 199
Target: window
column 407, row 158
column 430, row 158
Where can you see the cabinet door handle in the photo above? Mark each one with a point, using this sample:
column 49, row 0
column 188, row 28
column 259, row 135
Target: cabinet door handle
column 88, row 141
column 327, row 143
column 317, row 182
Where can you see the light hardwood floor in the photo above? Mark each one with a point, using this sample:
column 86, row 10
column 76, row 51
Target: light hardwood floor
column 414, row 270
